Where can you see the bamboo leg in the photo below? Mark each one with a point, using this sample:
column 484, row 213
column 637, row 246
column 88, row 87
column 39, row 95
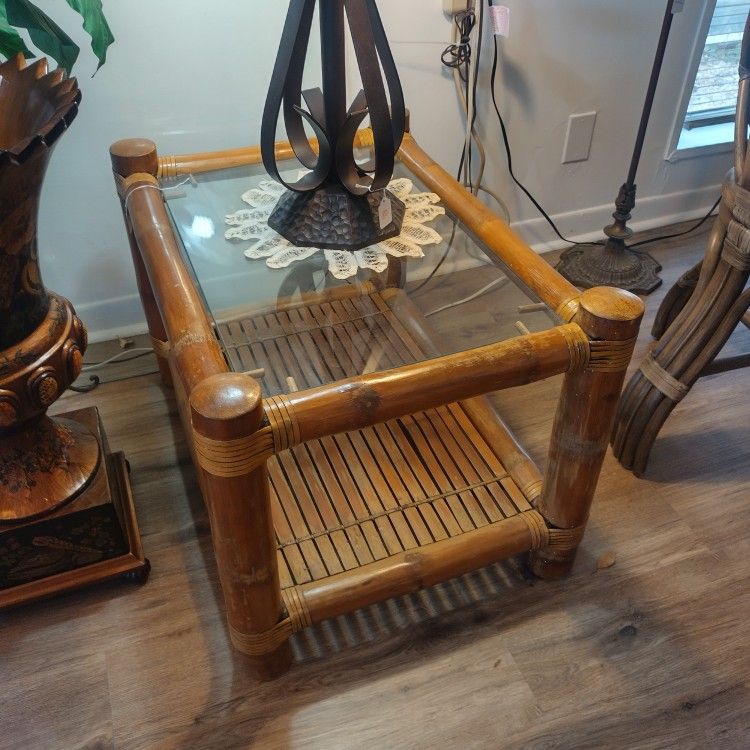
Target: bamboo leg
column 582, row 427
column 128, row 158
column 226, row 409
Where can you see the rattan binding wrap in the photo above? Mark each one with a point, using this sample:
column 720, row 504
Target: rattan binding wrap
column 296, row 608
column 565, row 540
column 540, row 533
column 569, row 309
column 235, row 458
column 259, row 644
column 578, row 343
column 168, row 167
column 610, row 356
column 161, row 348
column 284, row 425
column 533, row 491
column 672, row 388
column 736, row 250
column 262, row 644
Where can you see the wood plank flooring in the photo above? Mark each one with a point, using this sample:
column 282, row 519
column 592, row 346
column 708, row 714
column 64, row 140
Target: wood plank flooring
column 653, row 652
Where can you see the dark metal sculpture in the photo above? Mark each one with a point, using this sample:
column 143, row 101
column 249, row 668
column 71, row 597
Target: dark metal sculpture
column 339, row 204
column 617, row 264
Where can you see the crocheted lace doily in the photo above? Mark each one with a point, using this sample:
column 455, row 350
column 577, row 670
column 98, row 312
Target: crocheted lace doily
column 252, row 224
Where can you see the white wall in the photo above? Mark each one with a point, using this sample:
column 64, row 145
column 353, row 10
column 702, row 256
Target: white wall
column 190, row 75
column 193, row 76
column 565, row 57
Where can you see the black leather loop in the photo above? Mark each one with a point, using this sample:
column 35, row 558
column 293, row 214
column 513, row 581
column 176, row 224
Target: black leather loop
column 386, row 109
column 285, row 92
column 362, row 23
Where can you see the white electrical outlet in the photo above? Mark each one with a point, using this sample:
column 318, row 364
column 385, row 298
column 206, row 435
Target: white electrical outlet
column 578, row 138
column 451, row 7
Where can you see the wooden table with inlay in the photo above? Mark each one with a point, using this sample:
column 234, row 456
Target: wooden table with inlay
column 344, row 444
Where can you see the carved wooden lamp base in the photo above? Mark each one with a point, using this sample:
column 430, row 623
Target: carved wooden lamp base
column 45, row 466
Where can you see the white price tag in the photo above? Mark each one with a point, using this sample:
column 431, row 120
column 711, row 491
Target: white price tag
column 385, row 212
column 500, row 15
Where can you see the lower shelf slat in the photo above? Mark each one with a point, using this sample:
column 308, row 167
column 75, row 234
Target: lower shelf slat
column 354, row 500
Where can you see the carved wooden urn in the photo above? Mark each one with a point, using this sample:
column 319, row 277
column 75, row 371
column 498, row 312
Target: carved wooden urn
column 44, row 463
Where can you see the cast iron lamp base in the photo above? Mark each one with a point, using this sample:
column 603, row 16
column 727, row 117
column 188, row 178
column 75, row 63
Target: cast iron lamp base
column 615, row 264
column 331, row 218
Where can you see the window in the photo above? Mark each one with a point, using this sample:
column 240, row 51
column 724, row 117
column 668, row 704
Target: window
column 714, row 95
column 709, row 118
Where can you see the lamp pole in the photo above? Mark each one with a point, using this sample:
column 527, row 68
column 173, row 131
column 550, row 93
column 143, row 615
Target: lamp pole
column 616, row 264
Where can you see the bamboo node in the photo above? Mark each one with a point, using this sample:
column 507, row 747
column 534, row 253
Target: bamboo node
column 611, row 356
column 191, row 338
column 672, row 388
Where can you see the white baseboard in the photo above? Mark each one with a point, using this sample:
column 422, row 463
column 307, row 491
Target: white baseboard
column 587, row 224
column 123, row 316
column 108, row 319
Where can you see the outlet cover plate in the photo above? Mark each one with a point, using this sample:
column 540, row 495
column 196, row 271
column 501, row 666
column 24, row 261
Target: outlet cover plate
column 579, row 137
column 451, row 7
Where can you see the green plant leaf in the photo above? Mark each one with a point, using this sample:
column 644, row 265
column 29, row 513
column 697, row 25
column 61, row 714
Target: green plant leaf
column 95, row 25
column 44, row 32
column 11, row 42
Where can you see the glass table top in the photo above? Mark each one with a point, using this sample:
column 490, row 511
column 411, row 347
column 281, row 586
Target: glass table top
column 320, row 318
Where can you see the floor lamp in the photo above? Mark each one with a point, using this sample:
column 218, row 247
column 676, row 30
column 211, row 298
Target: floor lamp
column 616, row 264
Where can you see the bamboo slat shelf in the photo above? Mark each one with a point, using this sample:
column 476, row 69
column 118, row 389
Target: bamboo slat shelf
column 345, row 456
column 350, row 500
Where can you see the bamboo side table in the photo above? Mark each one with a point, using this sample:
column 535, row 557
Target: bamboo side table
column 362, row 461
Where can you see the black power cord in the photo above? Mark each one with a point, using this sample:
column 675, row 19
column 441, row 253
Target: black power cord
column 694, row 228
column 458, row 56
column 509, row 155
column 536, row 203
column 475, row 88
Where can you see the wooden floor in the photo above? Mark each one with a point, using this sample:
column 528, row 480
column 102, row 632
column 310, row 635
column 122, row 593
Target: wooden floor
column 653, row 652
